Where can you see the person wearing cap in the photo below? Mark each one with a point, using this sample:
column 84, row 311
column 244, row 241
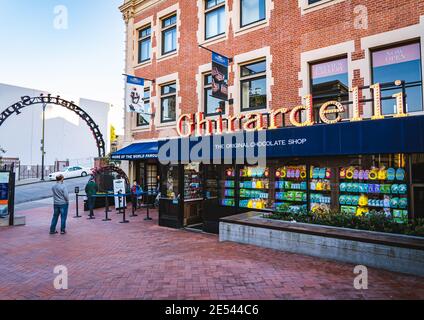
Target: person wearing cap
column 61, row 205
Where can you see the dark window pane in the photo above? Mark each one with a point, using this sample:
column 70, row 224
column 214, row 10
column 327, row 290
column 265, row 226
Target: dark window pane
column 211, row 103
column 253, row 68
column 313, row 1
column 168, row 109
column 330, row 81
column 169, row 40
column 144, row 50
column 215, row 22
column 208, row 79
column 213, row 3
column 253, row 94
column 169, row 21
column 399, row 63
column 169, row 88
column 144, row 32
column 252, row 11
column 142, row 120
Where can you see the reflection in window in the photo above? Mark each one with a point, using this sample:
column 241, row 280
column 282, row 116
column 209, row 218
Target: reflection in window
column 168, row 102
column 142, row 119
column 253, row 86
column 330, row 81
column 169, row 34
column 144, row 44
column 251, row 11
column 399, row 63
column 215, row 18
column 211, row 104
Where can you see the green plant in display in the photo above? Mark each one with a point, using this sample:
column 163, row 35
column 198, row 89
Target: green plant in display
column 374, row 221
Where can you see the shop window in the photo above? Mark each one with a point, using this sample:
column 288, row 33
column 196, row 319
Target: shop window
column 291, row 189
column 399, row 63
column 144, row 44
column 254, row 188
column 211, row 104
column 142, row 119
column 169, row 34
column 168, row 102
column 214, row 18
column 151, row 178
column 169, row 186
column 375, row 183
column 313, row 1
column 193, row 189
column 252, row 11
column 330, row 81
column 253, row 85
column 322, row 182
column 228, row 187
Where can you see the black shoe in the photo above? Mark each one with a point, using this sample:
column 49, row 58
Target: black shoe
column 54, row 232
column 62, row 232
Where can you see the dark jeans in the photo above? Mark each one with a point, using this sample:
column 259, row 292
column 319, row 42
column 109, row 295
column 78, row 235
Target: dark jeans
column 90, row 202
column 62, row 211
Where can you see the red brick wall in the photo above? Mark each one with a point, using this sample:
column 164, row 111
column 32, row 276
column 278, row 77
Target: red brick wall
column 288, row 34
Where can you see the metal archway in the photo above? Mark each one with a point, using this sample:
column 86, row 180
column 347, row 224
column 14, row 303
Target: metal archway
column 70, row 105
column 98, row 172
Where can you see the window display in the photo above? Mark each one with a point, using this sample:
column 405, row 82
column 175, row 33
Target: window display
column 254, row 188
column 320, row 188
column 192, row 182
column 291, row 189
column 380, row 189
column 171, row 183
column 227, row 190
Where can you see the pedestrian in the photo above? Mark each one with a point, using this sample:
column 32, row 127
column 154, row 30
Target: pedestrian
column 136, row 193
column 61, row 205
column 90, row 190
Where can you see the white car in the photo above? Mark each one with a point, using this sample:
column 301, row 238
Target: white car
column 71, row 172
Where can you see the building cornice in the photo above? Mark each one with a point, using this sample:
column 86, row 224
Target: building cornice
column 132, row 7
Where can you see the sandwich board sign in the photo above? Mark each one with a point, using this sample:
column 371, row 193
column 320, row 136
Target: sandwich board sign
column 119, row 187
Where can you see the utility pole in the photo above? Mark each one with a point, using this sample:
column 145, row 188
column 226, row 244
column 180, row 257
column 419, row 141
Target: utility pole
column 42, row 142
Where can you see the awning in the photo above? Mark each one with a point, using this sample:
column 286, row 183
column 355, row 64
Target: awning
column 137, row 151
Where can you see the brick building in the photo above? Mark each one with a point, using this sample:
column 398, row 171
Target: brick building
column 281, row 51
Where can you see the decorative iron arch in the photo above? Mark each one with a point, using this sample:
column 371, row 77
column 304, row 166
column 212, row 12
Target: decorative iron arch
column 98, row 172
column 70, row 105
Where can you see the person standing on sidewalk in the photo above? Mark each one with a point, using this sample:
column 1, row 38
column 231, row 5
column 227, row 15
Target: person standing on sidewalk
column 91, row 190
column 61, row 205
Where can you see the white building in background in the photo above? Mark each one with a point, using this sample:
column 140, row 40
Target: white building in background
column 67, row 136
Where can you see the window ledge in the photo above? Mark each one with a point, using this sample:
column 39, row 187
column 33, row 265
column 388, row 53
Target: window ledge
column 140, row 129
column 166, row 124
column 167, row 56
column 306, row 8
column 143, row 64
column 214, row 39
column 252, row 27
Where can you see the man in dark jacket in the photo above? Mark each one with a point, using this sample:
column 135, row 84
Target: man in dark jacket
column 90, row 190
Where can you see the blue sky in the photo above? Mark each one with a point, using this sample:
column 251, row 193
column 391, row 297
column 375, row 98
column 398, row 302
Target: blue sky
column 84, row 60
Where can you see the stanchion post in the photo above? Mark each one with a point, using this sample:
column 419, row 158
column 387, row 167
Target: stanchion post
column 90, row 199
column 76, row 202
column 107, row 208
column 148, row 215
column 134, row 205
column 123, row 208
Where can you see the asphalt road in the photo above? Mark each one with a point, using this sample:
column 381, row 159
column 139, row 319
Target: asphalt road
column 42, row 190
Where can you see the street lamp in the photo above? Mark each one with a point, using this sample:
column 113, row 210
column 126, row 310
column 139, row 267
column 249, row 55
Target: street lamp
column 42, row 141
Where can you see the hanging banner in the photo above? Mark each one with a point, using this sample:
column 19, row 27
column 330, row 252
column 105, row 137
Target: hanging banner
column 134, row 94
column 219, row 76
column 4, row 194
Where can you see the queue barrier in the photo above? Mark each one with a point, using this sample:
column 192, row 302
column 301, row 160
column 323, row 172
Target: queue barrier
column 121, row 209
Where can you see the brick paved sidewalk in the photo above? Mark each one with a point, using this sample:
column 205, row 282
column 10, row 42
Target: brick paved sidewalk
column 140, row 260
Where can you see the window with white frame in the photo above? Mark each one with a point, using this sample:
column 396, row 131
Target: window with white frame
column 168, row 101
column 215, row 23
column 169, row 34
column 253, row 85
column 143, row 119
column 144, row 44
column 252, row 11
column 211, row 105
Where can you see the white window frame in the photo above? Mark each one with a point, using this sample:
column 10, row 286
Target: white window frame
column 162, row 15
column 236, row 18
column 201, row 31
column 306, row 7
column 160, row 82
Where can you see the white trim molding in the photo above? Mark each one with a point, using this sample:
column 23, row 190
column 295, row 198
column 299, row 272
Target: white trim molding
column 159, row 83
column 306, row 7
column 244, row 58
column 149, row 21
column 201, row 26
column 306, row 58
column 160, row 16
column 236, row 14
